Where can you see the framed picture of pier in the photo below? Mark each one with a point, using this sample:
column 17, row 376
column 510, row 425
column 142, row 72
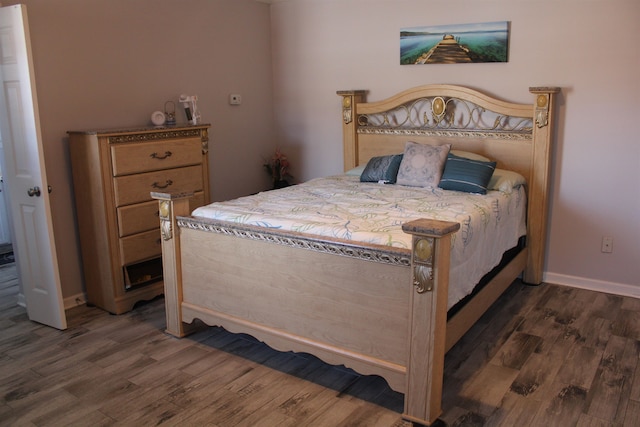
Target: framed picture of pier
column 458, row 43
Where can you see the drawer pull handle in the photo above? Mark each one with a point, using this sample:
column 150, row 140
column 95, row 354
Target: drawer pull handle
column 166, row 154
column 167, row 183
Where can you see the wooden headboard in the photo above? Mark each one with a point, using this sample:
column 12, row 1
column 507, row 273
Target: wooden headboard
column 517, row 136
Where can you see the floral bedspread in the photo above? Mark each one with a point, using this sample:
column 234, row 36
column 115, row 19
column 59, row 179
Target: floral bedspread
column 343, row 207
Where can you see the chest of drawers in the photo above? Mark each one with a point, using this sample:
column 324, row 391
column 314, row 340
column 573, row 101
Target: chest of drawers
column 114, row 172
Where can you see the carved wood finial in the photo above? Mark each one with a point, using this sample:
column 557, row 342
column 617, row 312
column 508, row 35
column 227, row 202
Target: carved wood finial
column 165, row 219
column 542, row 104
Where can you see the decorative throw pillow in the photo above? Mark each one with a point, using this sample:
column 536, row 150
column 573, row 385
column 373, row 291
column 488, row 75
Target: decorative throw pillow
column 470, row 176
column 382, row 168
column 422, row 164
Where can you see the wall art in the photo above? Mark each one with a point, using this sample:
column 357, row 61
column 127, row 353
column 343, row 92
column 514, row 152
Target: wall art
column 458, row 43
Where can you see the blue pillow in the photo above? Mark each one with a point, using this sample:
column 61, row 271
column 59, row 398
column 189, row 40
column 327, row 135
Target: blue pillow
column 470, row 176
column 382, row 168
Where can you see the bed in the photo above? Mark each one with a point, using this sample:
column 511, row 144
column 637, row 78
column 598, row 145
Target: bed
column 377, row 308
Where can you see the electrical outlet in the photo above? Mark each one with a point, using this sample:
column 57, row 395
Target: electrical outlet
column 607, row 244
column 235, row 99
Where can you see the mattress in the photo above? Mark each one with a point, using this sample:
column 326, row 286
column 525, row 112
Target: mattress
column 343, row 207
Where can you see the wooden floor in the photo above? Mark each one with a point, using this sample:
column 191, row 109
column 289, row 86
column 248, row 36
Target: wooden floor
column 542, row 356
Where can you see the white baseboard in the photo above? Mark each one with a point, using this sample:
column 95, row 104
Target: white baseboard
column 592, row 285
column 74, row 301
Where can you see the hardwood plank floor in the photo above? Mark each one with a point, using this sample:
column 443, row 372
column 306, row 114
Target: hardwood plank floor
column 541, row 356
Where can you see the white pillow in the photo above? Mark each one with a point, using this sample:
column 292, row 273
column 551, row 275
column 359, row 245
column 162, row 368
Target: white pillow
column 422, row 164
column 357, row 171
column 470, row 155
column 505, row 181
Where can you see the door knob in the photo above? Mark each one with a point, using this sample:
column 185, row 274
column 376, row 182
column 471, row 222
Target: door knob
column 34, row 191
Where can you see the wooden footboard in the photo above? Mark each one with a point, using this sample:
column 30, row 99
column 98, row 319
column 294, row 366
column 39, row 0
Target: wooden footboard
column 377, row 310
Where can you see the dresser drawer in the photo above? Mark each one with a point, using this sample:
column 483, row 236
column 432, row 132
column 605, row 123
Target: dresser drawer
column 131, row 189
column 141, row 217
column 150, row 156
column 140, row 247
column 136, row 218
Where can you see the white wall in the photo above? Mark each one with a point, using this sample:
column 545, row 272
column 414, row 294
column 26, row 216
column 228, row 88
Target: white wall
column 111, row 63
column 589, row 48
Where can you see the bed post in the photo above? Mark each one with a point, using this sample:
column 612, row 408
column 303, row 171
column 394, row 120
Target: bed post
column 543, row 129
column 430, row 261
column 350, row 98
column 171, row 206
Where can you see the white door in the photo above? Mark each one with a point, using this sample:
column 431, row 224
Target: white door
column 5, row 234
column 25, row 175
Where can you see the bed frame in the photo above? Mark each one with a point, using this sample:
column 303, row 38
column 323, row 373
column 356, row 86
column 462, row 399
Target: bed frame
column 376, row 309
